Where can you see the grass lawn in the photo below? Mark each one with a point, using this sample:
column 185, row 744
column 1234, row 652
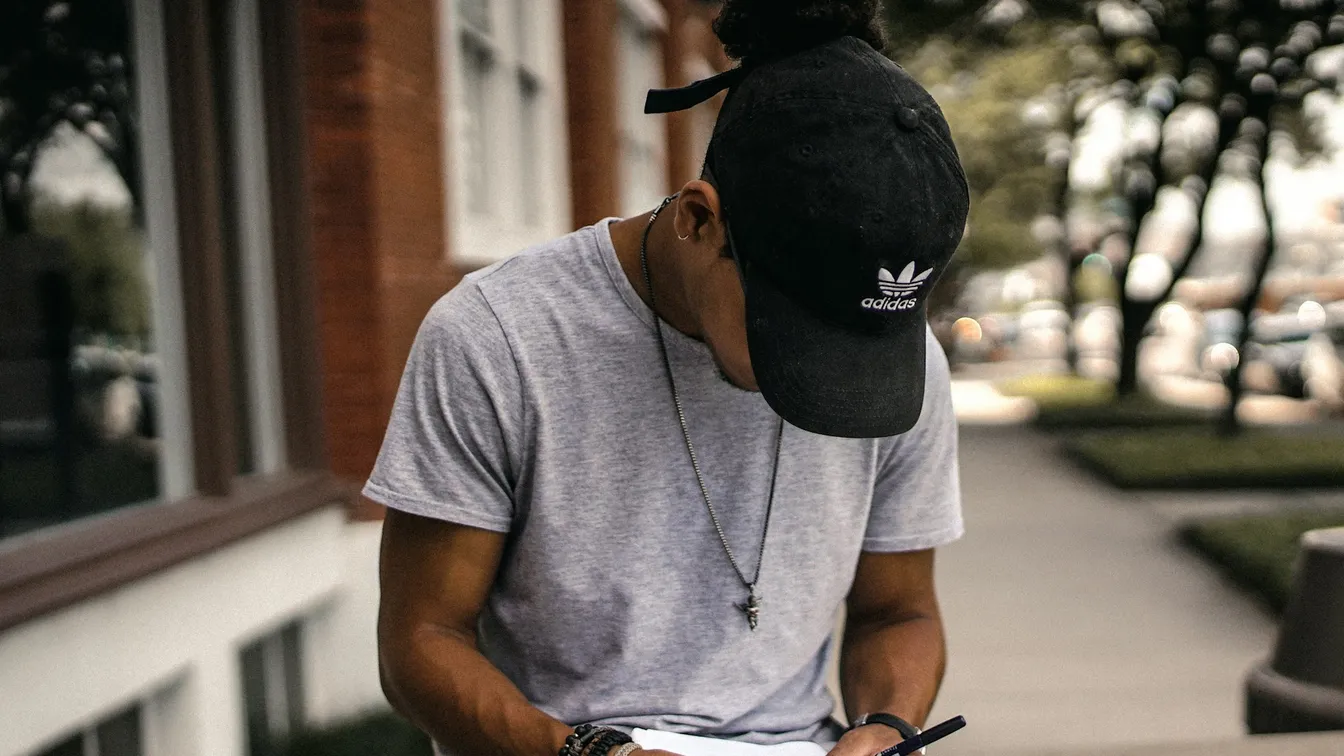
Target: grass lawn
column 1058, row 390
column 1258, row 552
column 1197, row 458
column 1135, row 411
column 1068, row 402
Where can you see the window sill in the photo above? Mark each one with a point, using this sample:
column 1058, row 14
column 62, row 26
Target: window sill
column 45, row 572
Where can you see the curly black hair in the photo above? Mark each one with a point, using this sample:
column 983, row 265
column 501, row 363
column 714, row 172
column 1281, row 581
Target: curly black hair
column 757, row 30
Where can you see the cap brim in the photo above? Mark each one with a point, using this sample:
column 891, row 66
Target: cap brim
column 832, row 381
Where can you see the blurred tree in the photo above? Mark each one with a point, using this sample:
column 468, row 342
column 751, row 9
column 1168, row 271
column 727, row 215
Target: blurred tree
column 64, row 60
column 1006, row 93
column 66, row 104
column 1241, row 61
column 968, row 23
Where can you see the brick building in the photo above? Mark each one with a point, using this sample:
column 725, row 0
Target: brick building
column 185, row 568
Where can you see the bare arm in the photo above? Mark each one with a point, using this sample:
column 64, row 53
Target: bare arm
column 435, row 577
column 894, row 652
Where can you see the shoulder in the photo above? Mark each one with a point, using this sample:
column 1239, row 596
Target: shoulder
column 540, row 274
column 491, row 303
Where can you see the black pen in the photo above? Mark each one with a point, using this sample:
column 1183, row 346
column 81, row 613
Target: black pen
column 937, row 732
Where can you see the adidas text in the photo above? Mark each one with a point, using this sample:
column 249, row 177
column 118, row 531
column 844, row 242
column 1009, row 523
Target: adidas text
column 888, row 303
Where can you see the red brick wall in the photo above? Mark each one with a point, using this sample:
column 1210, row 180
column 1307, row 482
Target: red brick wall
column 675, row 50
column 373, row 102
column 409, row 200
column 594, row 136
column 375, row 127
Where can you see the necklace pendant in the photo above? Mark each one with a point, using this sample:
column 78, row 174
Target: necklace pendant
column 752, row 608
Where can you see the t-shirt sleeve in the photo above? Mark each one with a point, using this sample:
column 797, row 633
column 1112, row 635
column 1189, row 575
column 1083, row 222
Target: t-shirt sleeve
column 448, row 450
column 917, row 495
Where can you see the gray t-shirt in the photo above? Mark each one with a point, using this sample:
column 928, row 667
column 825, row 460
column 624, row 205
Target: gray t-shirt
column 535, row 403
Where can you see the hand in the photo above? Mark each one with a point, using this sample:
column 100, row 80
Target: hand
column 866, row 741
column 642, row 752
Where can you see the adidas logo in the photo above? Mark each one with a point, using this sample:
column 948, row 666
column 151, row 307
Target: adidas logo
column 899, row 291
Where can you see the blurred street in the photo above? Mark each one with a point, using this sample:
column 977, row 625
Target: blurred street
column 1075, row 619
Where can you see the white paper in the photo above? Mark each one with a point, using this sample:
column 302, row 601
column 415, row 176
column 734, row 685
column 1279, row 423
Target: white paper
column 689, row 745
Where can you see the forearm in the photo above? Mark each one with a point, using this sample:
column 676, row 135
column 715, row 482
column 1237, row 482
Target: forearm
column 893, row 666
column 446, row 687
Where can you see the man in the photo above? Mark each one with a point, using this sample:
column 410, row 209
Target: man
column 634, row 474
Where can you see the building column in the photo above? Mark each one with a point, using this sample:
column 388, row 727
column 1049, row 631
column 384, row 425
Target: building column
column 590, row 83
column 682, row 166
column 374, row 128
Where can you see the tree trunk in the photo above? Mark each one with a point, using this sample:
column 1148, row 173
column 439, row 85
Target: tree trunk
column 1134, row 316
column 1070, row 303
column 1230, row 424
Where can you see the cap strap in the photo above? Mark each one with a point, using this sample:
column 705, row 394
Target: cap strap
column 687, row 97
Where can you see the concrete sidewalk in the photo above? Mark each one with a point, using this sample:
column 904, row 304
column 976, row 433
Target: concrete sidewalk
column 1075, row 621
column 1303, row 744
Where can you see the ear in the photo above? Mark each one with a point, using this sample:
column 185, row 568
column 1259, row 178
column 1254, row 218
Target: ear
column 699, row 214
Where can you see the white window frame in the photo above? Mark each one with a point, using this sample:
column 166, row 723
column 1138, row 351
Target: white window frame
column 177, row 469
column 279, row 704
column 256, row 256
column 506, row 224
column 638, row 130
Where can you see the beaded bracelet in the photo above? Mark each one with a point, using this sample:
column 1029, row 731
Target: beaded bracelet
column 576, row 740
column 589, row 740
column 603, row 741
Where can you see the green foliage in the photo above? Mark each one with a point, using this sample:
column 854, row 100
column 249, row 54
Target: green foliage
column 1260, row 552
column 381, row 734
column 1197, row 458
column 63, row 61
column 1094, row 284
column 982, row 90
column 912, row 23
column 111, row 292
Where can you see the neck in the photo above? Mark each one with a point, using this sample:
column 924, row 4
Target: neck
column 668, row 301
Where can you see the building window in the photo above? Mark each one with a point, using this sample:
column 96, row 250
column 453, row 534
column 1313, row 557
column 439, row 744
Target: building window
column 507, row 140
column 118, row 735
column 475, row 15
column 82, row 353
column 272, row 689
column 529, row 132
column 478, row 66
column 502, row 90
column 643, row 138
column 93, row 403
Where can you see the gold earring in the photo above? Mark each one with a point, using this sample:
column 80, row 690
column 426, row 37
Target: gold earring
column 684, row 238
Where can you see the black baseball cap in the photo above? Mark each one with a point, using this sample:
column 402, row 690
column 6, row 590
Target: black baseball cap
column 844, row 200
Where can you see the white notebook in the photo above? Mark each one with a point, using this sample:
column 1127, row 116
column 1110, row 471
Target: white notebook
column 689, row 745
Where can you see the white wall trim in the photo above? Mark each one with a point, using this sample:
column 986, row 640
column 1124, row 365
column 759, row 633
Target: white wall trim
column 183, row 626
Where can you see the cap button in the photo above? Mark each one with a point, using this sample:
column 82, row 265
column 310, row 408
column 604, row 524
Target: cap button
column 908, row 118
